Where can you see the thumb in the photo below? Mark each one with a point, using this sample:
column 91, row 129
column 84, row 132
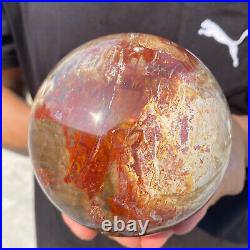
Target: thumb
column 78, row 230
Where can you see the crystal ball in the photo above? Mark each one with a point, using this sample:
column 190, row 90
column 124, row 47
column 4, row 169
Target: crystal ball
column 133, row 127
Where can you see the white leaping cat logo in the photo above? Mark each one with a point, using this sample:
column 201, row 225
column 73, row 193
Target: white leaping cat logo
column 211, row 29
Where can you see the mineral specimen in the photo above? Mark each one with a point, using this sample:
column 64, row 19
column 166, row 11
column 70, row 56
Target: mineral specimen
column 132, row 126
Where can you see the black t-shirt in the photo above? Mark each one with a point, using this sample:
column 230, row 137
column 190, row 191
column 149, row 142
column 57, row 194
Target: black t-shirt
column 37, row 35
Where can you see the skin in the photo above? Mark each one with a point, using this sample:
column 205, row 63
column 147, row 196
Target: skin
column 16, row 126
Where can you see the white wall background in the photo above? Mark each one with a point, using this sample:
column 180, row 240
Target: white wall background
column 18, row 203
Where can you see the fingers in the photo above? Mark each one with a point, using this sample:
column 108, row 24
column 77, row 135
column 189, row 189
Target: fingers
column 155, row 240
column 78, row 230
column 189, row 224
column 84, row 233
column 150, row 241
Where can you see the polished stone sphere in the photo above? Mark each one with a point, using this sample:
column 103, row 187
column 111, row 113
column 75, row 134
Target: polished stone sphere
column 132, row 126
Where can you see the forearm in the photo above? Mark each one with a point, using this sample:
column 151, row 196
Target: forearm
column 242, row 121
column 15, row 115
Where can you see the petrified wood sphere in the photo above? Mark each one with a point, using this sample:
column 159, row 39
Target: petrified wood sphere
column 130, row 125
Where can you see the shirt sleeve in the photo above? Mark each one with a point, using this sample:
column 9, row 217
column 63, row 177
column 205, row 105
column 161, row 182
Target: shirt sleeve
column 9, row 55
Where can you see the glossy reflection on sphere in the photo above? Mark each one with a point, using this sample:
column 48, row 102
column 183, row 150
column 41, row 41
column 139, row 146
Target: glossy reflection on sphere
column 130, row 125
